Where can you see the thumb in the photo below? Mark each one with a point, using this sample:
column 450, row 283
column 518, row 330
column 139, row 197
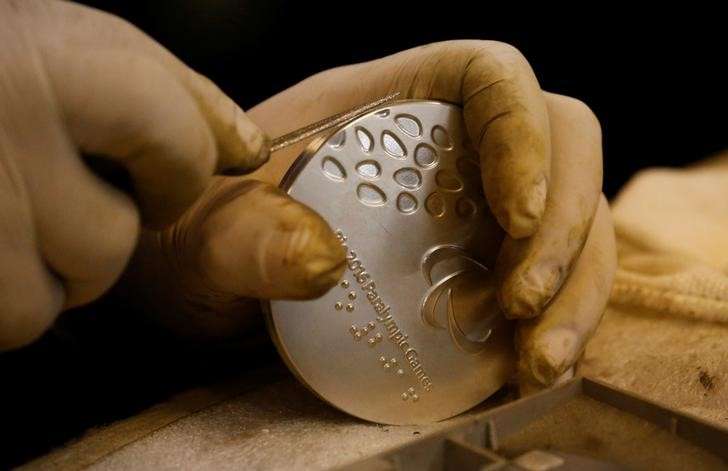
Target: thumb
column 243, row 239
column 253, row 240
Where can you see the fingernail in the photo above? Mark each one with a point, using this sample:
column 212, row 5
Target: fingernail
column 524, row 219
column 308, row 258
column 553, row 354
column 260, row 148
column 524, row 295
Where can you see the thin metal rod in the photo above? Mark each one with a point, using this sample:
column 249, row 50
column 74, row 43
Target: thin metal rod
column 327, row 123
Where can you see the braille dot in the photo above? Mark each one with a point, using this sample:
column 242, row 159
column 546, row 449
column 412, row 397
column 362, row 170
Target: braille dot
column 371, row 341
column 365, row 330
column 382, row 359
column 338, row 306
column 353, row 329
column 411, row 390
column 349, row 307
column 379, row 336
column 400, row 372
column 386, row 365
column 405, row 396
column 415, row 398
column 357, row 335
column 393, row 361
column 352, row 295
column 345, row 284
column 370, row 324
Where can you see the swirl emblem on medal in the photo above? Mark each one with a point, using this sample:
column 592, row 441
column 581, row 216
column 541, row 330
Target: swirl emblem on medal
column 412, row 333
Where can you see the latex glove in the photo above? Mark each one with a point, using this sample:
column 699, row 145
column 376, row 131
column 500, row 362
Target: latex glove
column 75, row 80
column 541, row 169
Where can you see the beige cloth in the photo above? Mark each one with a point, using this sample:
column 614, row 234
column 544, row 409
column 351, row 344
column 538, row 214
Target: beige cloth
column 665, row 333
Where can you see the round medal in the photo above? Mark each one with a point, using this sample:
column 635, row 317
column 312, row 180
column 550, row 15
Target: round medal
column 412, row 333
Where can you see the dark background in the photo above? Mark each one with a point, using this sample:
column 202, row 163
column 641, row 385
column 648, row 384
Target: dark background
column 655, row 79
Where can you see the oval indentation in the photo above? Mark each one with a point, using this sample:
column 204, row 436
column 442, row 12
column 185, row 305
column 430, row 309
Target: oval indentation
column 382, row 113
column 448, row 181
column 469, row 171
column 393, row 146
column 338, row 139
column 435, row 205
column 425, row 156
column 333, row 169
column 441, row 137
column 406, row 203
column 465, row 208
column 369, row 169
column 370, row 195
column 408, row 124
column 409, row 178
column 365, row 139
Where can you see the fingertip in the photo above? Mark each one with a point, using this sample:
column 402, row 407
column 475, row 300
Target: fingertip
column 250, row 152
column 308, row 256
column 518, row 209
column 547, row 355
column 242, row 146
column 261, row 243
column 525, row 294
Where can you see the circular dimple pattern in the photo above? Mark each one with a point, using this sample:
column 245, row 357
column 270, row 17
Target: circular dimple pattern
column 425, row 156
column 333, row 169
column 365, row 139
column 441, row 137
column 369, row 169
column 409, row 178
column 408, row 124
column 370, row 195
column 338, row 140
column 435, row 205
column 465, row 207
column 448, row 181
column 392, row 145
column 406, row 203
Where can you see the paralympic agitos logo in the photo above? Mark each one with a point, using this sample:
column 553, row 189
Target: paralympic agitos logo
column 468, row 324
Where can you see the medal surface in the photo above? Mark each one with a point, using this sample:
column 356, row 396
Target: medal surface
column 412, row 333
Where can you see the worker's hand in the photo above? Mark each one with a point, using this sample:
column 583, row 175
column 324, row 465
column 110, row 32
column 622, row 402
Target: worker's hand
column 541, row 162
column 76, row 81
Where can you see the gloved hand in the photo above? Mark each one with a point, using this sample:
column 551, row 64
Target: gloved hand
column 75, row 80
column 542, row 172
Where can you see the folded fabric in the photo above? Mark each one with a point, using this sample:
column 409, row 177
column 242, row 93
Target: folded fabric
column 665, row 333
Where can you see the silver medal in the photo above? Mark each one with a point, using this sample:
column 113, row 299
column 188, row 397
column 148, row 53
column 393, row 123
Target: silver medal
column 412, row 333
